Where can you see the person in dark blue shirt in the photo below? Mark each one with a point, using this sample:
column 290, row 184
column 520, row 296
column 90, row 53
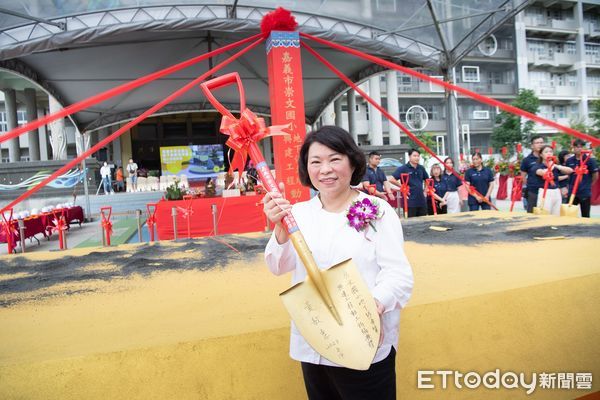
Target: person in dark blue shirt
column 553, row 198
column 417, row 205
column 376, row 176
column 583, row 197
column 530, row 188
column 452, row 184
column 440, row 191
column 481, row 178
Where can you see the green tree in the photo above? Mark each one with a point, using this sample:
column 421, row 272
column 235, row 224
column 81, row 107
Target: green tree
column 595, row 128
column 509, row 131
column 563, row 140
column 427, row 139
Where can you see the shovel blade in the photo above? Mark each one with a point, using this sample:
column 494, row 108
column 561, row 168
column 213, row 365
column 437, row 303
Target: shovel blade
column 540, row 211
column 567, row 210
column 352, row 344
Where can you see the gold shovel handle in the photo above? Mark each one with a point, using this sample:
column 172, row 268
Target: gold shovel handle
column 294, row 233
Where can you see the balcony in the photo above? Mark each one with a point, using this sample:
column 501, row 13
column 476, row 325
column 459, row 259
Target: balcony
column 479, row 124
column 434, row 125
column 592, row 60
column 500, row 53
column 552, row 24
column 593, row 90
column 558, row 91
column 592, row 29
column 415, row 87
column 489, row 88
column 557, row 60
column 565, row 121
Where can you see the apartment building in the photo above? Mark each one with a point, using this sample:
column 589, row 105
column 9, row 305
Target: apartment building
column 552, row 48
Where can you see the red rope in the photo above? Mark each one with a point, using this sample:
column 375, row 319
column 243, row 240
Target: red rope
column 132, row 123
column 483, row 99
column 388, row 116
column 119, row 90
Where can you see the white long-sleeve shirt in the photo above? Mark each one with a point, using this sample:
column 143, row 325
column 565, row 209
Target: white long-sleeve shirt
column 105, row 171
column 378, row 255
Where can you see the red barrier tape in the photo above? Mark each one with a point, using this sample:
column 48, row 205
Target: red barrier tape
column 387, row 115
column 483, row 99
column 131, row 124
column 99, row 98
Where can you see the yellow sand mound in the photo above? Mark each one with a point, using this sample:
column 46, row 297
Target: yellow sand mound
column 223, row 334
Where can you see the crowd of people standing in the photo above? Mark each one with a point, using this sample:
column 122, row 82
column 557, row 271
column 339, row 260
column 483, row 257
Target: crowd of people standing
column 446, row 191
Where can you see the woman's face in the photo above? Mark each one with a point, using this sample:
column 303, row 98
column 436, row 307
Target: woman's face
column 436, row 171
column 329, row 171
column 547, row 152
column 476, row 161
column 449, row 163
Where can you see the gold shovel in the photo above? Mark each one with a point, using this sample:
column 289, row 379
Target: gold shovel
column 569, row 210
column 333, row 308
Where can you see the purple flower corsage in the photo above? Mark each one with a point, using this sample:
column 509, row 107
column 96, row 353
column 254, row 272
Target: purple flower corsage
column 363, row 213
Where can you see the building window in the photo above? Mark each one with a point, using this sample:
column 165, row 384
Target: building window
column 385, row 5
column 21, row 120
column 470, row 73
column 433, row 88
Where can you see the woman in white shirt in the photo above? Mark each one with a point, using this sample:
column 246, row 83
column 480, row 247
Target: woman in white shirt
column 331, row 162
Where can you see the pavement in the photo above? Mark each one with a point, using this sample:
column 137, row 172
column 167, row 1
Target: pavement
column 125, row 222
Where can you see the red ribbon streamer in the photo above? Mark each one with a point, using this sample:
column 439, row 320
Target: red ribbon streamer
column 10, row 230
column 151, row 220
column 581, row 170
column 383, row 111
column 548, row 177
column 131, row 124
column 106, row 224
column 99, row 98
column 517, row 190
column 60, row 226
column 405, row 190
column 430, row 192
column 483, row 99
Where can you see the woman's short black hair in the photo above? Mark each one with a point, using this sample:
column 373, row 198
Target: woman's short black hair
column 338, row 140
column 562, row 155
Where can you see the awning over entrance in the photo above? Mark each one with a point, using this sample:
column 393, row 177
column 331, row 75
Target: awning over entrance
column 76, row 51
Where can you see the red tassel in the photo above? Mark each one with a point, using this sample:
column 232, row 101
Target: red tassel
column 278, row 20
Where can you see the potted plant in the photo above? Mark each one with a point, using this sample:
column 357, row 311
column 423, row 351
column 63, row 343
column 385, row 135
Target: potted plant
column 174, row 192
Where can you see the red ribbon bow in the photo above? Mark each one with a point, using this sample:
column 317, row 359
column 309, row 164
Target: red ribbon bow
column 151, row 220
column 582, row 169
column 185, row 212
column 59, row 225
column 549, row 175
column 404, row 187
column 430, row 187
column 246, row 130
column 107, row 227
